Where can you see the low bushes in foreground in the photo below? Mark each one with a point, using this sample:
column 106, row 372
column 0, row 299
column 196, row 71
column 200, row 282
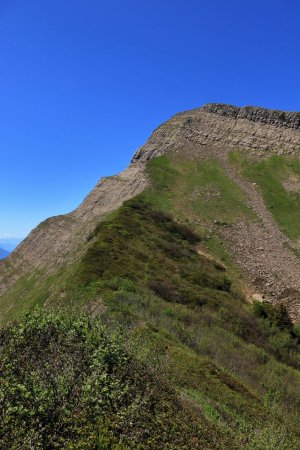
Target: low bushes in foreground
column 66, row 382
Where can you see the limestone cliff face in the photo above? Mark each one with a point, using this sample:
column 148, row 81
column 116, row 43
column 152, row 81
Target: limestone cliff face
column 257, row 130
column 58, row 240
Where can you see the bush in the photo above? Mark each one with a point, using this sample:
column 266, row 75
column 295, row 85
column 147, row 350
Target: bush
column 66, row 382
column 260, row 309
column 184, row 232
column 282, row 318
column 277, row 315
column 164, row 289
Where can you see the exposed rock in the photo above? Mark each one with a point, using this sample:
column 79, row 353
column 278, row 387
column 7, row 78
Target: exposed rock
column 292, row 184
column 257, row 130
column 260, row 250
column 57, row 240
column 258, row 297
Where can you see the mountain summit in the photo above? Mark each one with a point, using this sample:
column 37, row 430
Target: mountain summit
column 212, row 131
column 163, row 312
column 250, row 128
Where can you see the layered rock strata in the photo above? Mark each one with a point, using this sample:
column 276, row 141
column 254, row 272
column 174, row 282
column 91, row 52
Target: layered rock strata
column 209, row 131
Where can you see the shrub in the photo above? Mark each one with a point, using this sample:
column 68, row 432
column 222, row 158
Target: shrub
column 66, row 382
column 184, row 232
column 282, row 318
column 277, row 315
column 164, row 289
column 260, row 309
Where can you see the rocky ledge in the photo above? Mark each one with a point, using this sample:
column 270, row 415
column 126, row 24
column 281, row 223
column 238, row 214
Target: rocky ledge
column 259, row 131
column 255, row 114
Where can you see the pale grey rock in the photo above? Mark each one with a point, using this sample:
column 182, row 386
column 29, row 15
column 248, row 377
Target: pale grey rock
column 210, row 131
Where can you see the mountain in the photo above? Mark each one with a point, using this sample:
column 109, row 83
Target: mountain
column 214, row 132
column 167, row 303
column 3, row 253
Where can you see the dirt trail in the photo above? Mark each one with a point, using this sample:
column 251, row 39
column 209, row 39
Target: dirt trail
column 261, row 250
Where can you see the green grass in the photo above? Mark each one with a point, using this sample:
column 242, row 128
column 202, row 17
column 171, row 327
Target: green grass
column 29, row 293
column 271, row 174
column 67, row 382
column 198, row 192
column 189, row 326
column 148, row 247
column 220, row 374
column 196, row 189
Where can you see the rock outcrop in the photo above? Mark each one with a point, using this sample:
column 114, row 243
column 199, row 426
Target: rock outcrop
column 57, row 240
column 211, row 130
column 257, row 130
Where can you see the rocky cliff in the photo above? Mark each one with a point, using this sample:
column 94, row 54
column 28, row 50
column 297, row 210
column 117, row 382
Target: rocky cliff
column 256, row 130
column 211, row 130
column 57, row 240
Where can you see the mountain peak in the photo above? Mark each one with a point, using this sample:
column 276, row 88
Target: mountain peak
column 256, row 114
column 214, row 129
column 251, row 128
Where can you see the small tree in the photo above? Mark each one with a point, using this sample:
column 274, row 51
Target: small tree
column 282, row 318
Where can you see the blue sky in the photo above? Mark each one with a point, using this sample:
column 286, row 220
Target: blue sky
column 83, row 84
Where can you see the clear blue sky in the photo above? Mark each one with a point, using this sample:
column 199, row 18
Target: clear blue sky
column 83, row 83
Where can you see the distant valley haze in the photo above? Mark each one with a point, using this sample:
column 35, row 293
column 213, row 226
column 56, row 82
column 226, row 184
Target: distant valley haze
column 8, row 243
column 3, row 253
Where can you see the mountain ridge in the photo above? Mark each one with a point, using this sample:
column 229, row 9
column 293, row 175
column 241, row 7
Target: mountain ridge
column 212, row 131
column 288, row 119
column 158, row 314
column 254, row 129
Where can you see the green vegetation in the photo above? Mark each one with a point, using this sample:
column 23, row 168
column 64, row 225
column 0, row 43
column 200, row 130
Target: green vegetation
column 148, row 247
column 150, row 343
column 194, row 341
column 68, row 383
column 29, row 292
column 196, row 188
column 278, row 177
column 198, row 192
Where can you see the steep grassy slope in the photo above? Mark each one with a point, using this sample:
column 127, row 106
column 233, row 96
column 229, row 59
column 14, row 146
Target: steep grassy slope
column 197, row 188
column 67, row 383
column 278, row 177
column 196, row 367
column 196, row 191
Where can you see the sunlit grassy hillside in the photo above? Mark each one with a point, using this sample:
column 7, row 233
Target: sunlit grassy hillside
column 150, row 342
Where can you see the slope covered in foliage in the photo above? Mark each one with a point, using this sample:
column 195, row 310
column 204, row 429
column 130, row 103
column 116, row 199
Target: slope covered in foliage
column 192, row 365
column 68, row 383
column 278, row 178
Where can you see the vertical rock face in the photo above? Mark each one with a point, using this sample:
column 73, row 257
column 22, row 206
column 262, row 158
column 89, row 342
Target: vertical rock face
column 56, row 240
column 210, row 130
column 256, row 130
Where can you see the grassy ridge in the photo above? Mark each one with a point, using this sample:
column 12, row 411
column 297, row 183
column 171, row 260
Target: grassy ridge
column 196, row 344
column 203, row 368
column 148, row 247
